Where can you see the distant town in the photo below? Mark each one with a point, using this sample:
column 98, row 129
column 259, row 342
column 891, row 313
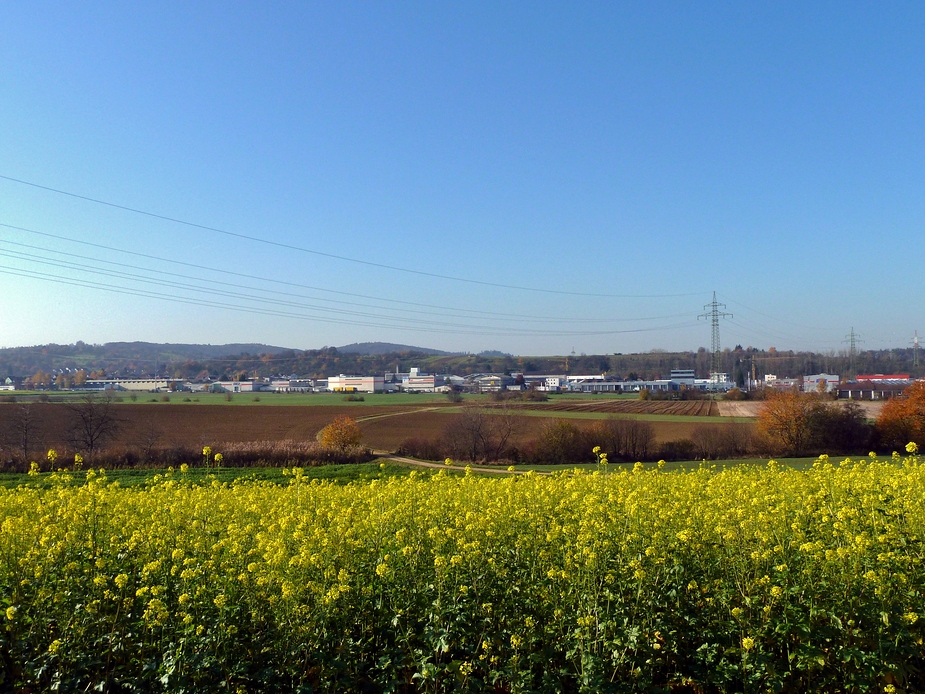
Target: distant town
column 677, row 382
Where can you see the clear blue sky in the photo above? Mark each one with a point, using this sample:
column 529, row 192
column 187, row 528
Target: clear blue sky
column 530, row 177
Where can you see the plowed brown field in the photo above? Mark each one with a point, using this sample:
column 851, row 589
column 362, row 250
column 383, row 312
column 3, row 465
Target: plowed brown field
column 384, row 427
column 685, row 408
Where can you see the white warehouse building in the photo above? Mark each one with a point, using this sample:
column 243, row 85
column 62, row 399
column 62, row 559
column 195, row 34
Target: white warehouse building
column 356, row 384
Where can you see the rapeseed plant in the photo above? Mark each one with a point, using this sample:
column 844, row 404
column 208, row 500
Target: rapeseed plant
column 745, row 578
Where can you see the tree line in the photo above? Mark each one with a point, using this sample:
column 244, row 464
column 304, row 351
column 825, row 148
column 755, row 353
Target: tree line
column 738, row 362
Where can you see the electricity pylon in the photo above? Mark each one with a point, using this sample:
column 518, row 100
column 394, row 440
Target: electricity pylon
column 714, row 314
column 852, row 339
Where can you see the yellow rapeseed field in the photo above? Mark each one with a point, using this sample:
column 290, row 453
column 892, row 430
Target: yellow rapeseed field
column 739, row 579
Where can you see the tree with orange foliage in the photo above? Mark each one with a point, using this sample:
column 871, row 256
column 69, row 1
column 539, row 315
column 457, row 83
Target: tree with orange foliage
column 786, row 417
column 343, row 433
column 902, row 419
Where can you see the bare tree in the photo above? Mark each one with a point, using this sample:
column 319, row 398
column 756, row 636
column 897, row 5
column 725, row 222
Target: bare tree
column 148, row 437
column 22, row 429
column 625, row 439
column 93, row 423
column 480, row 434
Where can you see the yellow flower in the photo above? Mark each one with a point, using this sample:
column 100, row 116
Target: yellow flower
column 54, row 646
column 748, row 643
column 11, row 612
column 912, row 447
column 52, row 455
column 448, row 461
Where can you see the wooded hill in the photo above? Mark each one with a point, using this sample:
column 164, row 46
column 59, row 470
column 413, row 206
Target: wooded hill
column 136, row 359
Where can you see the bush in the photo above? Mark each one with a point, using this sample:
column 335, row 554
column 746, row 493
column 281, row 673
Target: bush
column 341, row 434
column 902, row 419
column 425, row 449
column 562, row 442
column 734, row 394
column 624, row 439
column 477, row 435
column 718, row 441
column 840, row 428
column 794, row 423
column 683, row 449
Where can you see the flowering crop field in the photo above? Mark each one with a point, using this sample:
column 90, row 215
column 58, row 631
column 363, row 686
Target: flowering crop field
column 752, row 578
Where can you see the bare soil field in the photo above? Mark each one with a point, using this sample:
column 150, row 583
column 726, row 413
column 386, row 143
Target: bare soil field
column 384, row 427
column 750, row 408
column 738, row 409
column 205, row 424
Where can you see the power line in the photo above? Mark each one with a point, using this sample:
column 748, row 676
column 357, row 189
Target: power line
column 302, row 249
column 440, row 310
column 456, row 329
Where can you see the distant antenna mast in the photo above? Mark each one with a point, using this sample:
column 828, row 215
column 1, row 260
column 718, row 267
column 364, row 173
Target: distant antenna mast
column 714, row 314
column 852, row 339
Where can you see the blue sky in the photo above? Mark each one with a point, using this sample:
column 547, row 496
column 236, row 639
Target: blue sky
column 536, row 178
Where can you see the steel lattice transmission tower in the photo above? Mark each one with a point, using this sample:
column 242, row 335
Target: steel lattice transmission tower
column 852, row 339
column 713, row 313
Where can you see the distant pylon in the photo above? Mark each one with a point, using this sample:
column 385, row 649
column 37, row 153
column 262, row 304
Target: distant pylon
column 853, row 340
column 915, row 349
column 714, row 314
